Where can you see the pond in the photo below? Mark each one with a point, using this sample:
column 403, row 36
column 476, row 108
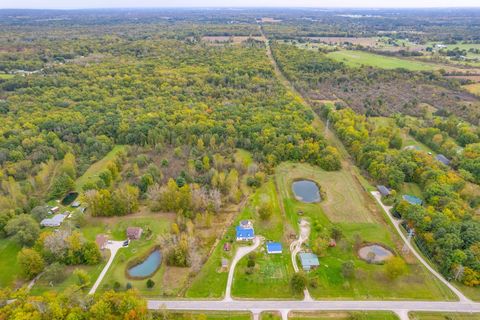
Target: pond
column 69, row 198
column 306, row 191
column 374, row 253
column 147, row 267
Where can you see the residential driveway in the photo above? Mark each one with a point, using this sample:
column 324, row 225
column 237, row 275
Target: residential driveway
column 114, row 246
column 397, row 225
column 241, row 252
column 295, row 248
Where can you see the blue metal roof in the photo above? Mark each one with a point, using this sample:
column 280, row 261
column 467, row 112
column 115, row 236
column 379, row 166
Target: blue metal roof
column 244, row 232
column 309, row 259
column 274, row 247
column 412, row 199
column 383, row 190
column 443, row 159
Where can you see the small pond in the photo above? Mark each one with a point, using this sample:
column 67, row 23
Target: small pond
column 69, row 198
column 147, row 267
column 306, row 191
column 374, row 253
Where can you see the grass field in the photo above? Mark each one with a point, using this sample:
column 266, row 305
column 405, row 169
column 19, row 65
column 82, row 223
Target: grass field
column 6, row 76
column 270, row 315
column 92, row 172
column 473, row 88
column 359, row 58
column 210, row 315
column 8, row 266
column 443, row 316
column 42, row 286
column 371, row 281
column 343, row 315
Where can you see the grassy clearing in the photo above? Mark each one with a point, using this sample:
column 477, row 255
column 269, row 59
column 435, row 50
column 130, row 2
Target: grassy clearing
column 345, row 198
column 412, row 189
column 92, row 172
column 371, row 281
column 244, row 156
column 42, row 286
column 8, row 266
column 272, row 273
column 117, row 273
column 214, row 315
column 360, row 58
column 270, row 315
column 6, row 76
column 473, row 88
column 343, row 315
column 443, row 316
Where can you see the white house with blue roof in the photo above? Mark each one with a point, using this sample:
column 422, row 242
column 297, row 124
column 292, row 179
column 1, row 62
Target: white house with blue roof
column 245, row 231
column 274, row 247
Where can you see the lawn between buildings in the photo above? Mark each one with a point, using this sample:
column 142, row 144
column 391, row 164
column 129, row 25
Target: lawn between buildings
column 355, row 213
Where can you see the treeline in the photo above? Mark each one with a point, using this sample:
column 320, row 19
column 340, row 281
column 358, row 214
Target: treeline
column 452, row 137
column 445, row 227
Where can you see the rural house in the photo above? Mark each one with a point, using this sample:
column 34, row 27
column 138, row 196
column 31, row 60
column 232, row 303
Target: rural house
column 245, row 231
column 384, row 191
column 134, row 233
column 274, row 247
column 309, row 261
column 55, row 221
column 441, row 158
column 412, row 199
column 101, row 240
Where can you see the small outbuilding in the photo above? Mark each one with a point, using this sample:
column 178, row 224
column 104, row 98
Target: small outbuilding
column 55, row 221
column 227, row 246
column 101, row 240
column 443, row 159
column 384, row 191
column 224, row 264
column 412, row 199
column 134, row 233
column 75, row 204
column 274, row 248
column 308, row 260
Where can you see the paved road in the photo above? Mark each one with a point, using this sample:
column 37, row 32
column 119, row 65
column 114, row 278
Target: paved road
column 257, row 306
column 241, row 252
column 412, row 249
column 114, row 246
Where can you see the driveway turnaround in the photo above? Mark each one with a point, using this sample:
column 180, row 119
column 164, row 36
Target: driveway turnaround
column 114, row 246
column 241, row 252
column 396, row 223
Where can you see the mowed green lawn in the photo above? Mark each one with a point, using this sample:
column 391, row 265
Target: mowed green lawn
column 92, row 172
column 343, row 315
column 8, row 262
column 6, row 76
column 351, row 209
column 353, row 58
column 443, row 316
column 214, row 315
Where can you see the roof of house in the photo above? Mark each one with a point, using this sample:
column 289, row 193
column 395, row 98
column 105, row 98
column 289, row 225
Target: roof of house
column 383, row 190
column 55, row 220
column 101, row 239
column 274, row 247
column 244, row 232
column 308, row 259
column 412, row 199
column 443, row 159
column 76, row 204
column 134, row 231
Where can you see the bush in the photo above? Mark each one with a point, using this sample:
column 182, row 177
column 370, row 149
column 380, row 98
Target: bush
column 395, row 267
column 348, row 269
column 298, row 282
column 150, row 283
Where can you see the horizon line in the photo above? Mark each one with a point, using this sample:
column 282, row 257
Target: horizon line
column 239, row 7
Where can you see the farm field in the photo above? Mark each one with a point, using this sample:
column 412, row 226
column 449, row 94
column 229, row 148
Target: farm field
column 343, row 315
column 358, row 58
column 370, row 280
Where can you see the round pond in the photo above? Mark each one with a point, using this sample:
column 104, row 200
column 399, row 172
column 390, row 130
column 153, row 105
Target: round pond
column 374, row 253
column 147, row 267
column 306, row 191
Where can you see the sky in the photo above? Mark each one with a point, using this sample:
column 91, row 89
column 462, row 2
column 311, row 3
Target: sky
column 79, row 4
